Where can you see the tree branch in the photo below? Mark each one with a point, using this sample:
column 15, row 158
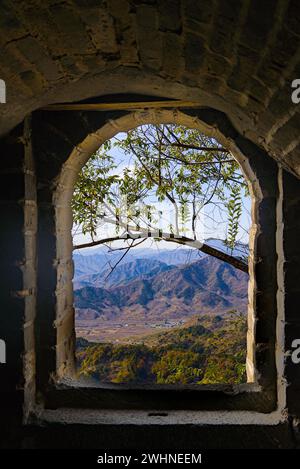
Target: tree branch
column 195, row 147
column 170, row 237
column 97, row 243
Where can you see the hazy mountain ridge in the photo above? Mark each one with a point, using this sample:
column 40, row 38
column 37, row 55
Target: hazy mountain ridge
column 123, row 273
column 156, row 290
column 97, row 261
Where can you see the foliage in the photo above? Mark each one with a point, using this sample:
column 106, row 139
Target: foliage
column 164, row 163
column 93, row 186
column 227, row 348
column 211, row 350
column 177, row 366
column 234, row 207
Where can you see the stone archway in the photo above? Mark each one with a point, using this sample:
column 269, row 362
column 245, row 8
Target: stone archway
column 64, row 186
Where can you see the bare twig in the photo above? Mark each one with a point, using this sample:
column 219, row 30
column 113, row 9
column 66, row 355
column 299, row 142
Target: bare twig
column 170, row 237
column 195, row 147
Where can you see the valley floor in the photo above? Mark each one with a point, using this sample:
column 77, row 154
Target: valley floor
column 120, row 332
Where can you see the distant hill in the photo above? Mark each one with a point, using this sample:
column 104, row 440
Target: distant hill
column 97, row 261
column 154, row 290
column 160, row 316
column 123, row 273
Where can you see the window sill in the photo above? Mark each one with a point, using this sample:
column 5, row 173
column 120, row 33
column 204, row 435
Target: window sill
column 162, row 398
column 143, row 417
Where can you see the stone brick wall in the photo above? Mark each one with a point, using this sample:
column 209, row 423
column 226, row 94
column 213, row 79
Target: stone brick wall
column 39, row 324
column 291, row 269
column 236, row 56
column 18, row 212
column 59, row 160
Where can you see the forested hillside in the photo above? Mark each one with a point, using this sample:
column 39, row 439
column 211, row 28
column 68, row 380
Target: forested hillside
column 207, row 350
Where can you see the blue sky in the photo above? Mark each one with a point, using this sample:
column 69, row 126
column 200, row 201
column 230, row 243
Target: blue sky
column 212, row 221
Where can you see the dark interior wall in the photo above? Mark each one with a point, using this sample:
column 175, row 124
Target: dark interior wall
column 13, row 295
column 291, row 269
column 19, row 193
column 183, row 49
column 55, row 135
column 50, row 154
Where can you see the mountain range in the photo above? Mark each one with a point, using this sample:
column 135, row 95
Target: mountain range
column 147, row 289
column 99, row 260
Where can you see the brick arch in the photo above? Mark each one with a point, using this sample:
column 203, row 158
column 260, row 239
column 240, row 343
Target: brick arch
column 239, row 57
column 62, row 195
column 225, row 55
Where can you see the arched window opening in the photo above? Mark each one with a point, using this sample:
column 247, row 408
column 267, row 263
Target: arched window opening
column 162, row 216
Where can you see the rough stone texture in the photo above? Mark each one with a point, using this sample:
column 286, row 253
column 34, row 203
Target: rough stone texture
column 291, row 268
column 236, row 56
column 159, row 436
column 224, row 55
column 53, row 156
column 18, row 213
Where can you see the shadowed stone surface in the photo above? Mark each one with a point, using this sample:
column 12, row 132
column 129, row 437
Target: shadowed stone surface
column 238, row 57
